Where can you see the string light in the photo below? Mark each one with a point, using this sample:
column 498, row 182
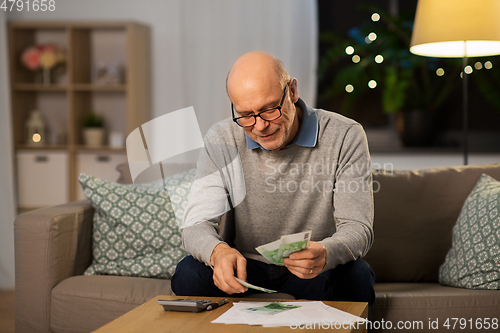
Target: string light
column 379, row 59
column 468, row 69
column 440, row 72
column 488, row 65
column 349, row 50
column 356, row 58
column 372, row 36
column 478, row 65
column 375, row 17
column 372, row 84
column 349, row 88
column 37, row 137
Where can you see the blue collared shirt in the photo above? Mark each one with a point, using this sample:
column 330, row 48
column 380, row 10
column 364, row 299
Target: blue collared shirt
column 307, row 136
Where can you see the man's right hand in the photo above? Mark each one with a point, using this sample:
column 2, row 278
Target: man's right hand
column 226, row 261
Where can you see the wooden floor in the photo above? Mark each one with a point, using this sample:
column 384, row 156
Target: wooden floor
column 6, row 311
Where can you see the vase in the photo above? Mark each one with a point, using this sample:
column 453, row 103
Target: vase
column 46, row 76
column 93, row 136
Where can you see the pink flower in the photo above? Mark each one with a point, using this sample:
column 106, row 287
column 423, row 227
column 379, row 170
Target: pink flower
column 31, row 58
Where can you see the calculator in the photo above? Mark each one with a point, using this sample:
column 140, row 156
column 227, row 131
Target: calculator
column 190, row 305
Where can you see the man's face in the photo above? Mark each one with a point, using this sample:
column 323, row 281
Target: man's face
column 271, row 135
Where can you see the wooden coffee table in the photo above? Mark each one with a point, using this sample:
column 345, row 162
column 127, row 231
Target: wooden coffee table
column 150, row 317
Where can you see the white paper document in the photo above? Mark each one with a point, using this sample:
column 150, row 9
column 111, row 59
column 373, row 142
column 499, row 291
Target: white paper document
column 309, row 314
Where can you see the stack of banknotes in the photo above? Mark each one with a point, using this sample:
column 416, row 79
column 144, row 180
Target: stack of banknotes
column 276, row 251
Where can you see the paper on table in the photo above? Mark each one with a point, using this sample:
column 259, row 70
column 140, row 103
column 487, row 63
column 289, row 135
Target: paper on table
column 314, row 311
column 345, row 316
column 235, row 316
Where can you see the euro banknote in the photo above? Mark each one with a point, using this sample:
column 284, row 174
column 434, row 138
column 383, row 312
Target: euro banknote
column 276, row 251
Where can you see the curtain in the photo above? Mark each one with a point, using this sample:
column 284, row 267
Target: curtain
column 215, row 33
column 7, row 203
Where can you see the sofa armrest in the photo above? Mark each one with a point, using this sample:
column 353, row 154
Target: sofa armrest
column 51, row 244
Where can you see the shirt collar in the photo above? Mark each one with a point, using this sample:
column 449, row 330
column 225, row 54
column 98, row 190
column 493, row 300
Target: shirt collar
column 307, row 136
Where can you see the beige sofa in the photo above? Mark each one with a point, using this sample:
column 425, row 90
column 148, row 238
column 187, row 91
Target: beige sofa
column 414, row 214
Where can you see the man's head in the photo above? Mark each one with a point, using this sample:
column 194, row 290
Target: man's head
column 257, row 82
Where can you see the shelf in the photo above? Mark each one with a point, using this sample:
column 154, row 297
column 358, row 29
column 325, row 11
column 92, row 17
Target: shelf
column 46, row 147
column 95, row 52
column 99, row 87
column 83, row 148
column 39, row 87
column 75, row 87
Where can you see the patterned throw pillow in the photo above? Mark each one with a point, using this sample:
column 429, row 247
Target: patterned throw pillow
column 178, row 187
column 474, row 259
column 135, row 229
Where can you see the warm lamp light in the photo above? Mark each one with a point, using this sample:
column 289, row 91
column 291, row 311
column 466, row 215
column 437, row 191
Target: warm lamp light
column 37, row 137
column 35, row 127
column 457, row 29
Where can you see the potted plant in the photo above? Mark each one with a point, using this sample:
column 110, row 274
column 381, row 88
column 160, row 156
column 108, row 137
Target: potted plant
column 410, row 87
column 93, row 131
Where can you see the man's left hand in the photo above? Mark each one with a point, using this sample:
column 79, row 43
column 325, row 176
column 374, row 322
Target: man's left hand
column 308, row 263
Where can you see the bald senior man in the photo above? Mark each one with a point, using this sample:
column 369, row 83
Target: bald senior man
column 304, row 169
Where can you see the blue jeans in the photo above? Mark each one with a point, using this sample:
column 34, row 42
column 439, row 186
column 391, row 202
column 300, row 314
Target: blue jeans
column 352, row 281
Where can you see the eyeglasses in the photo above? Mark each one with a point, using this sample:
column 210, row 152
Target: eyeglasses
column 267, row 115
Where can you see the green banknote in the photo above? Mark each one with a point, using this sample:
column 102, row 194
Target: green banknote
column 276, row 251
column 294, row 243
column 271, row 251
column 251, row 286
column 272, row 308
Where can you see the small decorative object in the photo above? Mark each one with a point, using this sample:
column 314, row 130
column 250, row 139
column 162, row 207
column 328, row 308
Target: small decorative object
column 115, row 73
column 44, row 57
column 110, row 74
column 36, row 129
column 93, row 132
column 101, row 73
column 116, row 140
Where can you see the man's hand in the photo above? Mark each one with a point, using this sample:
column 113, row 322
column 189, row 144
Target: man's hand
column 308, row 263
column 225, row 260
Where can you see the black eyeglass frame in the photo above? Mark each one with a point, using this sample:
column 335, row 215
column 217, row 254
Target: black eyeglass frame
column 279, row 107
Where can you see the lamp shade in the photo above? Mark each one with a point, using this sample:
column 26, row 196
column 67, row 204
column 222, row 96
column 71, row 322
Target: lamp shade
column 456, row 28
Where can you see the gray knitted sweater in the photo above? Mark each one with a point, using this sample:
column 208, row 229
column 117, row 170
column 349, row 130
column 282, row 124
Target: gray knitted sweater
column 326, row 188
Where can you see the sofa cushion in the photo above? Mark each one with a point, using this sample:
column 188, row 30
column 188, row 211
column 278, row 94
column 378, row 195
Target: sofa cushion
column 474, row 258
column 426, row 302
column 415, row 212
column 85, row 303
column 135, row 229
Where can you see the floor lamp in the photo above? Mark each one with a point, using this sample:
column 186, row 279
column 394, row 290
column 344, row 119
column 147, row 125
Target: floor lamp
column 457, row 29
